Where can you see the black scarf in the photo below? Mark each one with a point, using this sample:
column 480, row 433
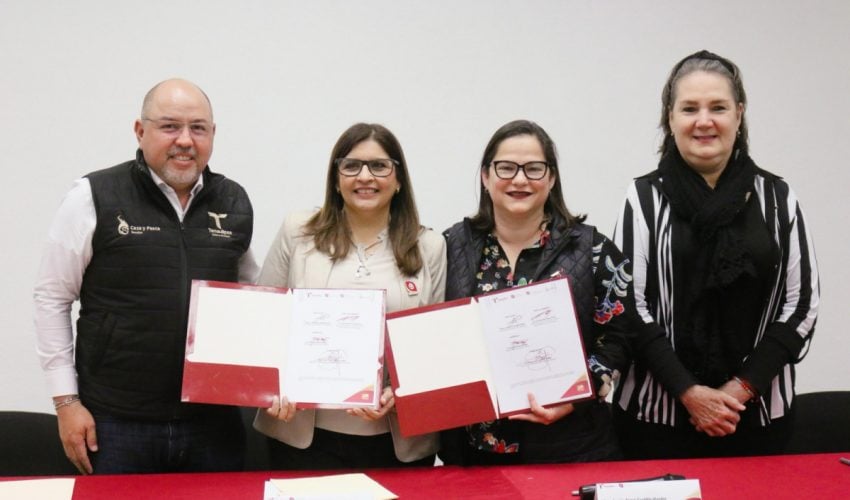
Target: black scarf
column 721, row 257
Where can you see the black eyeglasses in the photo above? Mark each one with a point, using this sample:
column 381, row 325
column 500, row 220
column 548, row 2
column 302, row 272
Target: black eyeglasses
column 350, row 167
column 533, row 170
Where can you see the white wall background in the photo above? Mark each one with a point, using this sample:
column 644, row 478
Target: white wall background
column 287, row 77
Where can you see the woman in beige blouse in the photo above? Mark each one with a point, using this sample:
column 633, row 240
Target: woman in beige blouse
column 366, row 235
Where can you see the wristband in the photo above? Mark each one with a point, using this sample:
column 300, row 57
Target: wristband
column 747, row 387
column 66, row 402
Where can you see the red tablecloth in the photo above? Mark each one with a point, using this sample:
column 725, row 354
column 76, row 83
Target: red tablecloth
column 818, row 476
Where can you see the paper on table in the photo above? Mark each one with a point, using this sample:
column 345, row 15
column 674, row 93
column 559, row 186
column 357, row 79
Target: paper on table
column 336, row 486
column 682, row 489
column 38, row 489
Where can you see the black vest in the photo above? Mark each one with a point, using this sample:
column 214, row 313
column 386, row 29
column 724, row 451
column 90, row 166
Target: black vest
column 566, row 254
column 134, row 299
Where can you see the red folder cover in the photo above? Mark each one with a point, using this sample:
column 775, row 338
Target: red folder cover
column 238, row 385
column 221, row 383
column 248, row 338
column 474, row 398
column 430, row 411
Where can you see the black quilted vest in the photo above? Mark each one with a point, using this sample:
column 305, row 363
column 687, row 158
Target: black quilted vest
column 567, row 254
column 134, row 299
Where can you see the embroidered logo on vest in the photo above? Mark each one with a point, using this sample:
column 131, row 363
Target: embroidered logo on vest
column 217, row 231
column 124, row 228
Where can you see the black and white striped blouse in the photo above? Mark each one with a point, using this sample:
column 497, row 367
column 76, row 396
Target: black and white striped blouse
column 644, row 233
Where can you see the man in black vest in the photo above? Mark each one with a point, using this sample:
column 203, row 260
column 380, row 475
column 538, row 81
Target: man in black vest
column 126, row 242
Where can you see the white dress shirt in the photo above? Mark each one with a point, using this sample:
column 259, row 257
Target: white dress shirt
column 67, row 252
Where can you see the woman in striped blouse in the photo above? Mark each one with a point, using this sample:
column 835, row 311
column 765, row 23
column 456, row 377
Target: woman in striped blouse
column 725, row 280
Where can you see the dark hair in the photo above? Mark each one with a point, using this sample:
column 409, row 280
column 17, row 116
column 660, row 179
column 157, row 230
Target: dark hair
column 712, row 63
column 484, row 219
column 329, row 227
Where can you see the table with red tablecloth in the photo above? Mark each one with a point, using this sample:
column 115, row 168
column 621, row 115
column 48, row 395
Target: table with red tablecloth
column 816, row 476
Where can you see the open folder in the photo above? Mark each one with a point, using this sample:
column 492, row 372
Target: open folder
column 476, row 359
column 322, row 348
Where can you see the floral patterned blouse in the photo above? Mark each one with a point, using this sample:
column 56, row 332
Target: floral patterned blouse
column 495, row 273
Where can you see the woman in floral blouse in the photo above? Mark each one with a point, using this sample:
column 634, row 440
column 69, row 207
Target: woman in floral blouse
column 523, row 233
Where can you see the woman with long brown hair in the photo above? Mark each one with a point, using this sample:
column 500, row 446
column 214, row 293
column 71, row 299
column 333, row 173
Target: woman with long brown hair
column 366, row 235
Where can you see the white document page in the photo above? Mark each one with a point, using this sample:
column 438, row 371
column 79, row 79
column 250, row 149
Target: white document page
column 336, row 344
column 241, row 327
column 272, row 492
column 38, row 489
column 683, row 489
column 443, row 348
column 534, row 343
column 336, row 486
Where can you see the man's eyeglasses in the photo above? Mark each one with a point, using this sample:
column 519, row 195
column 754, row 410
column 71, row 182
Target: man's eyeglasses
column 350, row 167
column 533, row 170
column 199, row 128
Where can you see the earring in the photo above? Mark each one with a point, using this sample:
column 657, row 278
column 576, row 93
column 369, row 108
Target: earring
column 397, row 189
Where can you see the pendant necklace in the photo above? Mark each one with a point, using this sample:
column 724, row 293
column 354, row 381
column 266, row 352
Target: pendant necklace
column 363, row 255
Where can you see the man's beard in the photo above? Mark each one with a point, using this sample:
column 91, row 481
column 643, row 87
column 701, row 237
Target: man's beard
column 179, row 177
